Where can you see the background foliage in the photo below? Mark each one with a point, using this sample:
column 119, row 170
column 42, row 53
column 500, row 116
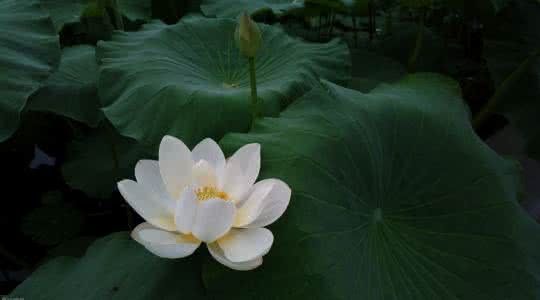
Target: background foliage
column 375, row 113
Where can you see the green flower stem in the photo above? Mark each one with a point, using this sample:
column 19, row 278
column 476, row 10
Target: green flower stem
column 253, row 82
column 495, row 101
column 418, row 45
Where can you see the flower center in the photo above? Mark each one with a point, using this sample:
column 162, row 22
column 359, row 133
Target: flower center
column 207, row 192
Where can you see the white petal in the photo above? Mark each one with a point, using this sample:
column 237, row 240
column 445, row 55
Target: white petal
column 175, row 165
column 186, row 209
column 152, row 211
column 218, row 255
column 164, row 243
column 246, row 244
column 214, row 219
column 209, row 151
column 235, row 185
column 268, row 201
column 204, row 174
column 148, row 175
column 248, row 159
column 250, row 209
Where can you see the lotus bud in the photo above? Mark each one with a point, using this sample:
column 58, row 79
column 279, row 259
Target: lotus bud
column 247, row 36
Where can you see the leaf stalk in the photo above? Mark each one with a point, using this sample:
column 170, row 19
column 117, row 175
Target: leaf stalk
column 117, row 14
column 495, row 101
column 253, row 83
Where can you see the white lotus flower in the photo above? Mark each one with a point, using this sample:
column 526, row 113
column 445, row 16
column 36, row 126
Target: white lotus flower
column 189, row 197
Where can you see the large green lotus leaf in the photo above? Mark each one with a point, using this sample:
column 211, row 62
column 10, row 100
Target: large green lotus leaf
column 71, row 90
column 233, row 8
column 189, row 80
column 29, row 52
column 75, row 247
column 95, row 163
column 394, row 197
column 114, row 267
column 513, row 56
column 67, row 11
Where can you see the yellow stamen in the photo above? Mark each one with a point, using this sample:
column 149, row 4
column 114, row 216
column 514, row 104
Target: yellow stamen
column 206, row 193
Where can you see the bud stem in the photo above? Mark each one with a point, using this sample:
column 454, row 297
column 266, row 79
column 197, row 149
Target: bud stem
column 253, row 82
